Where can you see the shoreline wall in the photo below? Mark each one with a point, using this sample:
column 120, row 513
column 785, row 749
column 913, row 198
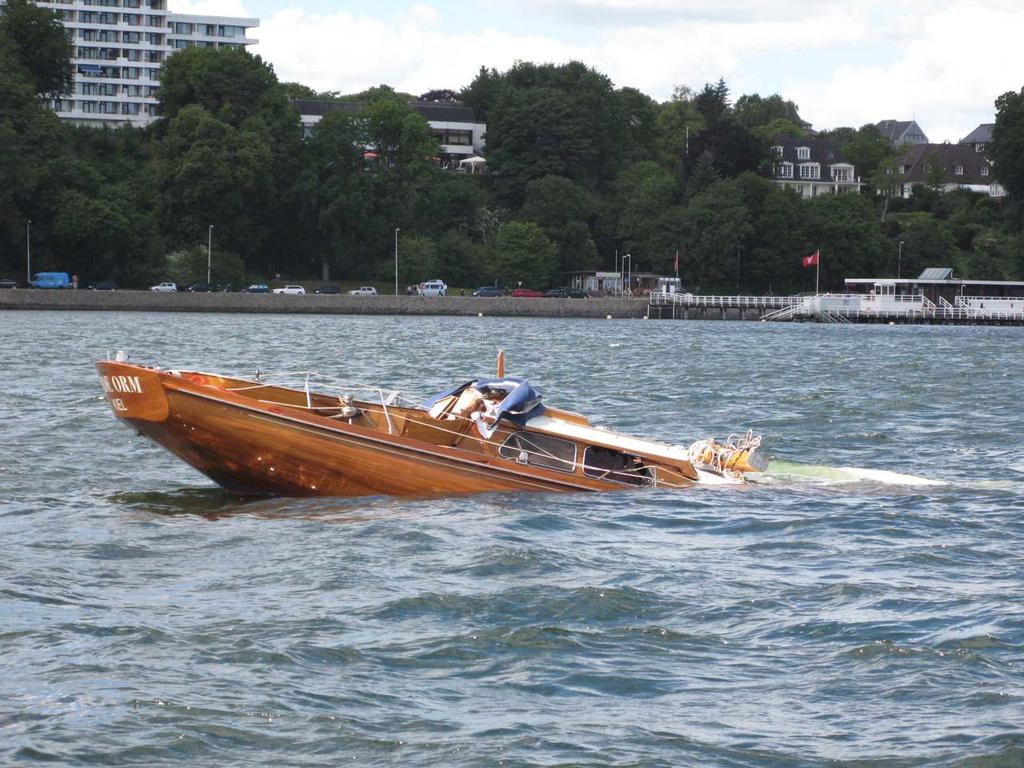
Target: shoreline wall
column 148, row 301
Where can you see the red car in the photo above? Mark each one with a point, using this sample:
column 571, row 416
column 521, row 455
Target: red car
column 526, row 293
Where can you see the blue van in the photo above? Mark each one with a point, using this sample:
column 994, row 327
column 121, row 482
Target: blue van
column 50, row 280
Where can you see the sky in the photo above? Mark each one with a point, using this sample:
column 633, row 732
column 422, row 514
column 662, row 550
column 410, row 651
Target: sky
column 843, row 62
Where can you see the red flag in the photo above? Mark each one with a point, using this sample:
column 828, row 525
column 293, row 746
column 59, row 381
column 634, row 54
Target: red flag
column 810, row 261
column 677, row 261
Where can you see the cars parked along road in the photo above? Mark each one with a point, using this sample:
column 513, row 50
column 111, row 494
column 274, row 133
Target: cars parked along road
column 50, row 280
column 433, row 288
column 7, row 283
column 104, row 285
column 258, row 288
column 567, row 293
column 365, row 290
column 331, row 290
column 291, row 289
column 526, row 293
column 165, row 288
column 489, row 291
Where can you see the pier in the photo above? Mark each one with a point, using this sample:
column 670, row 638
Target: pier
column 837, row 308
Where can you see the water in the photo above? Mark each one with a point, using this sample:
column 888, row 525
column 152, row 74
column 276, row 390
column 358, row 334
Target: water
column 862, row 606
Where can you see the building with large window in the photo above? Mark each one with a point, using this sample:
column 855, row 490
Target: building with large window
column 812, row 166
column 458, row 132
column 118, row 47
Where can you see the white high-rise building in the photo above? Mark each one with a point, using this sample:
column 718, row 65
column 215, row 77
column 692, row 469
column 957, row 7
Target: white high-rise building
column 118, row 47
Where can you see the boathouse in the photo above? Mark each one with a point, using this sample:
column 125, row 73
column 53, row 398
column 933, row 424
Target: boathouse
column 938, row 286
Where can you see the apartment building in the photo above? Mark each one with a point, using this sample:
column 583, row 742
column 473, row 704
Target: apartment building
column 118, row 47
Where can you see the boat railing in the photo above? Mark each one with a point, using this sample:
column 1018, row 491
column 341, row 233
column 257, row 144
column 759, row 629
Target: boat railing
column 455, row 426
column 311, row 382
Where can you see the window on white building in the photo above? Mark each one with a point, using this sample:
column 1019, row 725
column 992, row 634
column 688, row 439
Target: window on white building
column 777, row 151
column 803, row 153
column 810, row 171
column 958, row 170
column 784, row 170
column 979, row 147
column 984, row 170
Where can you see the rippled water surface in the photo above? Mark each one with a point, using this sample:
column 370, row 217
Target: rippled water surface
column 820, row 617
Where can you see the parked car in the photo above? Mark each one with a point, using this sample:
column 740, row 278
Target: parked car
column 366, row 290
column 526, row 293
column 165, row 288
column 258, row 288
column 200, row 287
column 433, row 288
column 8, row 283
column 566, row 292
column 489, row 290
column 332, row 290
column 50, row 280
column 104, row 285
column 294, row 290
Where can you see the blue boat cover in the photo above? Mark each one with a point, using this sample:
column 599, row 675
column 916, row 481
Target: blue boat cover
column 521, row 401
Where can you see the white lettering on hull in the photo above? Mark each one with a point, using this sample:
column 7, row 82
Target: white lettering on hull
column 121, row 384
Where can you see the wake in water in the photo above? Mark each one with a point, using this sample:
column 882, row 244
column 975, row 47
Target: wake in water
column 788, row 472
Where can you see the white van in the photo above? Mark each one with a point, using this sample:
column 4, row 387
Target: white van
column 433, row 288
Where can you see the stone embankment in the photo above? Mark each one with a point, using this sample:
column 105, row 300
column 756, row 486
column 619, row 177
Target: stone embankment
column 147, row 301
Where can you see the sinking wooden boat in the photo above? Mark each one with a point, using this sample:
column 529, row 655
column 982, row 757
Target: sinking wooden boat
column 320, row 437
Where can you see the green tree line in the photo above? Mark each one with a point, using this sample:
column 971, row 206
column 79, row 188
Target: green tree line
column 579, row 171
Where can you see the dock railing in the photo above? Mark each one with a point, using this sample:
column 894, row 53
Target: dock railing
column 840, row 307
column 665, row 298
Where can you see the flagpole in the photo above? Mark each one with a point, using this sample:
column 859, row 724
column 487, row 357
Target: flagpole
column 817, row 270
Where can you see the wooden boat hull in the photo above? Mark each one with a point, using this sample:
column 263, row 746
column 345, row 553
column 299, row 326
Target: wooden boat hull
column 255, row 448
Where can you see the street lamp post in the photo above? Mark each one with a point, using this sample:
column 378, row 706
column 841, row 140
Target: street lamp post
column 209, row 253
column 397, row 230
column 629, row 274
column 28, row 250
column 738, row 248
column 899, row 259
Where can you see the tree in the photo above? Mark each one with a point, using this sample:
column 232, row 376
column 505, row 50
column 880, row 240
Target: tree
column 483, row 92
column 936, row 174
column 400, row 137
column 212, row 173
column 443, row 95
column 1007, row 150
column 845, row 228
column 521, row 252
column 230, row 84
column 752, row 111
column 563, row 209
column 417, row 261
column 639, row 197
column 37, row 40
column 553, row 120
column 714, row 225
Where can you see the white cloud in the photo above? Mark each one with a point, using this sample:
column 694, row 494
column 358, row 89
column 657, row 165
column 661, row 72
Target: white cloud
column 947, row 77
column 615, row 11
column 943, row 66
column 413, row 52
column 210, row 8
